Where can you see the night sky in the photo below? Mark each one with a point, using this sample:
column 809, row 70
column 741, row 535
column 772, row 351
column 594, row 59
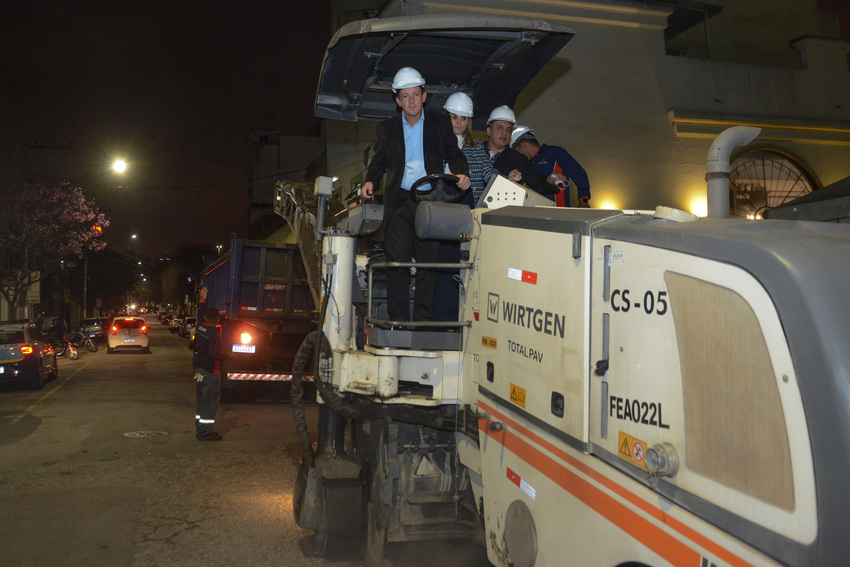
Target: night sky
column 174, row 87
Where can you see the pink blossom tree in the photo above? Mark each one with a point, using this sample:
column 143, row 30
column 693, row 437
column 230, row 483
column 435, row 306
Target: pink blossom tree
column 39, row 226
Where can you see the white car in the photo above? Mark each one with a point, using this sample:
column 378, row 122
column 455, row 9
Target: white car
column 129, row 333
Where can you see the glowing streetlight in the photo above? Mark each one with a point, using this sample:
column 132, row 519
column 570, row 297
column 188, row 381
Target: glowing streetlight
column 122, row 239
column 119, row 166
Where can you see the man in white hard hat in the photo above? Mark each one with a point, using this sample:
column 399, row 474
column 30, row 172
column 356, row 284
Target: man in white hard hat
column 509, row 163
column 409, row 147
column 556, row 161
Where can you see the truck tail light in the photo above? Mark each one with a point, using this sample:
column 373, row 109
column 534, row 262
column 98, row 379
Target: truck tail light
column 245, row 338
column 26, row 349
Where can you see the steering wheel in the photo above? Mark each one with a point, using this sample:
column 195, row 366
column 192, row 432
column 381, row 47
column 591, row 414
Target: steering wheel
column 438, row 189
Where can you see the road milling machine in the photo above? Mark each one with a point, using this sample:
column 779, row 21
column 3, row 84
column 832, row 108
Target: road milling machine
column 621, row 388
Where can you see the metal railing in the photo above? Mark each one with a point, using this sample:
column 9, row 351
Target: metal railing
column 413, row 324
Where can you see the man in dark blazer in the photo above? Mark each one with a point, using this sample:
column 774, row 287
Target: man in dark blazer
column 510, row 163
column 408, row 147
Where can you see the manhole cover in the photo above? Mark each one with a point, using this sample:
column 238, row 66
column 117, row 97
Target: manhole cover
column 139, row 434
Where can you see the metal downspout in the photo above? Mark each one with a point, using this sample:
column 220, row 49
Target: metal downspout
column 717, row 167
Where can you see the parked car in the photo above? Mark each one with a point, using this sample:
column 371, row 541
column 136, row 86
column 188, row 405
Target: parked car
column 128, row 333
column 175, row 323
column 93, row 328
column 188, row 327
column 25, row 355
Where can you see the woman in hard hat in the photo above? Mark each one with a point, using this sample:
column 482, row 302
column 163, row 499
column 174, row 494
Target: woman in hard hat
column 459, row 108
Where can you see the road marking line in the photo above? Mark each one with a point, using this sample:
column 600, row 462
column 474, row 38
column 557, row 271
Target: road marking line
column 23, row 414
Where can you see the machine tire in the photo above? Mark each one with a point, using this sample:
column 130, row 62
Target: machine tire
column 92, row 346
column 73, row 353
column 110, row 350
column 298, row 493
column 340, row 532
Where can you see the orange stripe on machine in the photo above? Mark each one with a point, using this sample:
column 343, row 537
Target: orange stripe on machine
column 640, row 527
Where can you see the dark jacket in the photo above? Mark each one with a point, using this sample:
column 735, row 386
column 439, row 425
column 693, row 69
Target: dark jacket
column 208, row 353
column 509, row 160
column 439, row 144
column 555, row 158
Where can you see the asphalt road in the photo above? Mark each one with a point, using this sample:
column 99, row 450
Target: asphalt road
column 102, row 468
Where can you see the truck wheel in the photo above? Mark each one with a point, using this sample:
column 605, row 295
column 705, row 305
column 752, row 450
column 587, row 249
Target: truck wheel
column 340, row 530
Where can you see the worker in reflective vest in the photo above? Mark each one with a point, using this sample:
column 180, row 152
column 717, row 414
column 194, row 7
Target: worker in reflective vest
column 206, row 361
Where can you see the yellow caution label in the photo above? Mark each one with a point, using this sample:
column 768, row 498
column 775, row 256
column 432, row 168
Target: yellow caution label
column 489, row 342
column 632, row 449
column 518, row 395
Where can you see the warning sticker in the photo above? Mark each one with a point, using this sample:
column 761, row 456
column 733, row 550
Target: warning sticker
column 489, row 342
column 631, row 449
column 518, row 395
column 522, row 275
column 529, row 490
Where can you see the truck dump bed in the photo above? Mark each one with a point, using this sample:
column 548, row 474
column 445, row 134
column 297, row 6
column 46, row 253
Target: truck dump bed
column 262, row 292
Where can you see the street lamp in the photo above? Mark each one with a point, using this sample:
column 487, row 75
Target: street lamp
column 128, row 237
column 119, row 166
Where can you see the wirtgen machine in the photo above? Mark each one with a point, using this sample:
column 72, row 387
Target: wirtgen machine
column 622, row 387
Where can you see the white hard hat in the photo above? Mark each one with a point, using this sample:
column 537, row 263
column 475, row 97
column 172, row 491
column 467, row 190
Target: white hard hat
column 407, row 77
column 460, row 104
column 502, row 113
column 521, row 133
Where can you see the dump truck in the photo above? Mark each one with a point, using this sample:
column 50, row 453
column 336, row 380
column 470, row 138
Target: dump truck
column 262, row 293
column 626, row 387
